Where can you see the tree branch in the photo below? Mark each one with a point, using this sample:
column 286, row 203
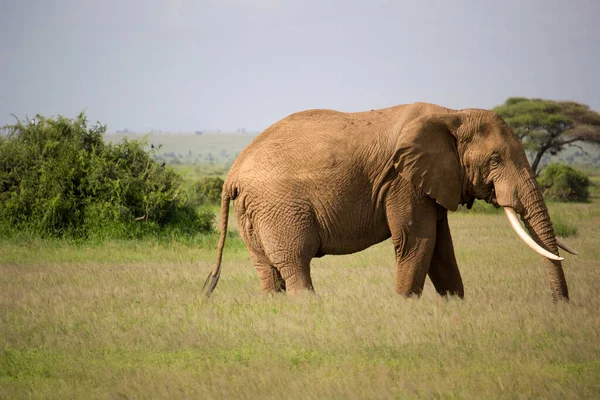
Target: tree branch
column 568, row 141
column 580, row 148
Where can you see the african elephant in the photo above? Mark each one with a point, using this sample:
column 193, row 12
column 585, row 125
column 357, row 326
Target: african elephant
column 326, row 182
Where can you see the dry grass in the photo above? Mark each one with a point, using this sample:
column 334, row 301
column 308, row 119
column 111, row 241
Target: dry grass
column 126, row 320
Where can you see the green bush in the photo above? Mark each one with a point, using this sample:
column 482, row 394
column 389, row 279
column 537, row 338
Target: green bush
column 58, row 178
column 207, row 191
column 562, row 183
column 481, row 207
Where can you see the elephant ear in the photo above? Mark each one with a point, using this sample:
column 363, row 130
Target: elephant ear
column 426, row 155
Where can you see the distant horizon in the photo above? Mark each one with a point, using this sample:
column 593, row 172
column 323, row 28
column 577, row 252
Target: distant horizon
column 173, row 132
column 240, row 130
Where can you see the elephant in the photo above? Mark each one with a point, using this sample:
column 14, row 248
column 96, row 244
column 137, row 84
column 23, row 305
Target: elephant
column 327, row 182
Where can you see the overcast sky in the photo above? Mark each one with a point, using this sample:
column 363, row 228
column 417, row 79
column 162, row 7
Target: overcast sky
column 183, row 65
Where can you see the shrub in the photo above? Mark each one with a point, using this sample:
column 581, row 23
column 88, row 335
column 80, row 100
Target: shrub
column 481, row 207
column 58, row 178
column 560, row 182
column 207, row 191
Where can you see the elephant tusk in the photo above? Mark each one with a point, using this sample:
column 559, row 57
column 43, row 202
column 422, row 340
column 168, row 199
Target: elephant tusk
column 566, row 247
column 516, row 225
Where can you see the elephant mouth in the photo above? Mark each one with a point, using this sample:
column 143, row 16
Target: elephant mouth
column 492, row 198
column 488, row 195
column 469, row 203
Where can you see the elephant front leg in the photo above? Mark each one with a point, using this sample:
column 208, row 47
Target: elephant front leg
column 412, row 219
column 413, row 256
column 443, row 271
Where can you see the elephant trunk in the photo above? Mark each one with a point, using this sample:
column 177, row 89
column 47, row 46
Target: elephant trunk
column 535, row 216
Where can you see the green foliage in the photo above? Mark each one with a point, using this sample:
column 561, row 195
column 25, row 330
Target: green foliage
column 532, row 119
column 207, row 191
column 547, row 126
column 562, row 183
column 58, row 178
column 481, row 207
column 563, row 227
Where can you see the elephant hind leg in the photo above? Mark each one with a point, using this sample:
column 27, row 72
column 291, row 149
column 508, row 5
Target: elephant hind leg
column 296, row 274
column 292, row 261
column 270, row 278
column 291, row 256
column 284, row 244
column 443, row 271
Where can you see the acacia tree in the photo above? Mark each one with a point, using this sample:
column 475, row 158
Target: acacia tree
column 547, row 126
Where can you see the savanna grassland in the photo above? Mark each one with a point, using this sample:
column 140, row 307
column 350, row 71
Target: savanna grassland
column 127, row 320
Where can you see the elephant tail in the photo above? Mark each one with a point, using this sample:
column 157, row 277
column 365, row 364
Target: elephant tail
column 213, row 277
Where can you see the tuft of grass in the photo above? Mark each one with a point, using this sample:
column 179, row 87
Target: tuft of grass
column 565, row 219
column 564, row 228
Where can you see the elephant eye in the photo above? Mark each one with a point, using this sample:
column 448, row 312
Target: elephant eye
column 494, row 161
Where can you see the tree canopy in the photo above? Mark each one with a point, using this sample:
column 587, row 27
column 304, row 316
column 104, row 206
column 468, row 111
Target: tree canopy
column 547, row 126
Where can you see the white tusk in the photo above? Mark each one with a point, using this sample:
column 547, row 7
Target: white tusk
column 516, row 225
column 566, row 247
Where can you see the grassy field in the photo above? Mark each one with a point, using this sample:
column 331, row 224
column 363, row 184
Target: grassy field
column 126, row 320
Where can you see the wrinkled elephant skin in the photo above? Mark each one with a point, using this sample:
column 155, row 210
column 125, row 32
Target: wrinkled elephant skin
column 325, row 182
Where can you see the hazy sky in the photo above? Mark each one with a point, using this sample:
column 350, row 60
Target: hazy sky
column 206, row 64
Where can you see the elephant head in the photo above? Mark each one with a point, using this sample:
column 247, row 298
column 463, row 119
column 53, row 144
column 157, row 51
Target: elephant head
column 459, row 156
